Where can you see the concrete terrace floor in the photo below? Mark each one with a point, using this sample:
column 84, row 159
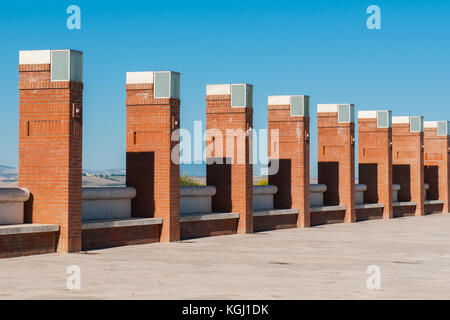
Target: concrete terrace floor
column 328, row 262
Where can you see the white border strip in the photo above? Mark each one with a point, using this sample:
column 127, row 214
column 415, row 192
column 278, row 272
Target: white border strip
column 367, row 114
column 218, row 89
column 400, row 120
column 34, row 57
column 140, row 77
column 431, row 124
column 327, row 108
column 279, row 100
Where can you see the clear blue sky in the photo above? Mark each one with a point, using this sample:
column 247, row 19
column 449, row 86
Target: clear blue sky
column 320, row 48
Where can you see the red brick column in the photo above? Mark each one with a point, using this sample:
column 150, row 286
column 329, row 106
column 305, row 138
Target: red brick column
column 375, row 158
column 336, row 155
column 229, row 116
column 289, row 121
column 50, row 140
column 437, row 160
column 153, row 114
column 408, row 159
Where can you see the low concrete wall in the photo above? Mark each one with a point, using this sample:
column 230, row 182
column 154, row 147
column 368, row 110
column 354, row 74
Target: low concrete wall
column 263, row 197
column 117, row 236
column 107, row 203
column 274, row 222
column 274, row 219
column 404, row 209
column 196, row 199
column 359, row 193
column 208, row 228
column 316, row 194
column 327, row 217
column 433, row 206
column 369, row 213
column 27, row 239
column 395, row 189
column 12, row 205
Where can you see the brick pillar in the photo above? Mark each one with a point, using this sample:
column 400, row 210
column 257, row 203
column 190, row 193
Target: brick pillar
column 289, row 128
column 229, row 116
column 375, row 158
column 336, row 155
column 437, row 160
column 153, row 114
column 408, row 159
column 50, row 140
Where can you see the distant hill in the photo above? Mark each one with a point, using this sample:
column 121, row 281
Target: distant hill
column 190, row 170
column 106, row 172
column 194, row 170
column 7, row 173
column 11, row 172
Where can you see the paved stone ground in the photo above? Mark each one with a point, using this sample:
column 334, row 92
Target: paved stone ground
column 328, row 262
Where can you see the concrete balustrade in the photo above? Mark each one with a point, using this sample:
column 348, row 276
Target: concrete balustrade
column 107, row 203
column 395, row 189
column 196, row 199
column 359, row 193
column 316, row 194
column 199, row 199
column 12, row 205
column 317, row 191
column 263, row 197
column 115, row 203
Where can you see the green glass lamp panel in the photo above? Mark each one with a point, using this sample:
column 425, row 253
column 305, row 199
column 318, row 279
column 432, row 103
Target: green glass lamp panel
column 60, row 65
column 76, row 66
column 238, row 92
column 162, row 85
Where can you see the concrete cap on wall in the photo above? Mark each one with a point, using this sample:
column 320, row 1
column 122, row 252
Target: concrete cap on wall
column 241, row 94
column 383, row 117
column 360, row 187
column 400, row 120
column 260, row 190
column 279, row 100
column 331, row 107
column 345, row 111
column 327, row 108
column 14, row 195
column 367, row 114
column 416, row 123
column 298, row 104
column 108, row 193
column 218, row 89
column 66, row 64
column 317, row 188
column 166, row 83
column 145, row 77
column 431, row 124
column 443, row 127
column 198, row 191
column 34, row 57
